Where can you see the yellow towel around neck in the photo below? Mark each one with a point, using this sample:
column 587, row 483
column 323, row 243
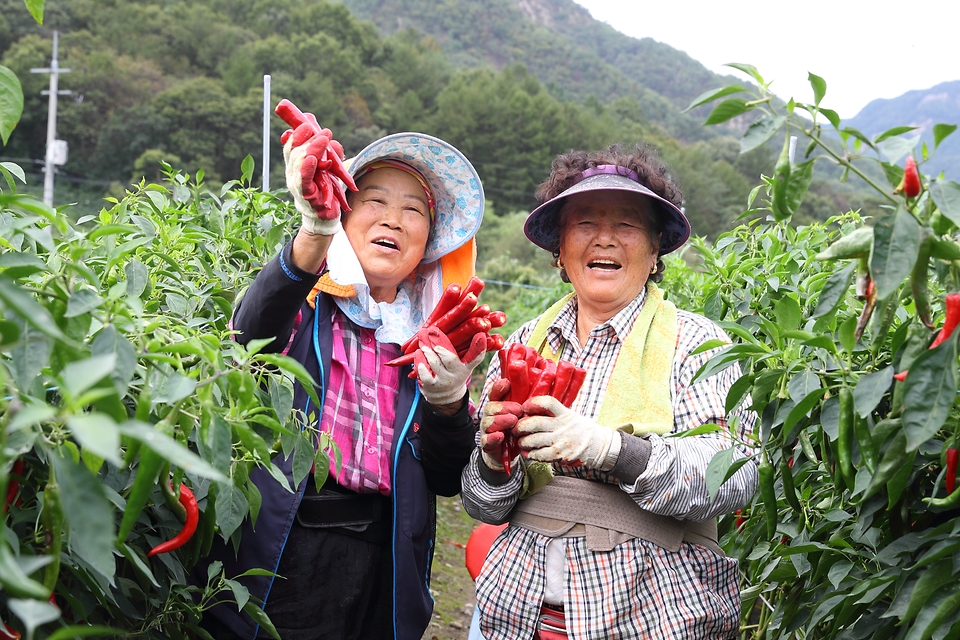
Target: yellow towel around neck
column 637, row 399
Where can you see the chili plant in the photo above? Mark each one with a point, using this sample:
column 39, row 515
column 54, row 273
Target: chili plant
column 853, row 534
column 123, row 391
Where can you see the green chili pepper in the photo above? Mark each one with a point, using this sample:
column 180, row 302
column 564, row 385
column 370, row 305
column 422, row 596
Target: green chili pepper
column 146, row 478
column 789, row 488
column 892, row 461
column 807, row 447
column 853, row 245
column 52, row 517
column 768, row 494
column 171, row 495
column 868, row 448
column 781, row 182
column 845, row 435
column 918, row 281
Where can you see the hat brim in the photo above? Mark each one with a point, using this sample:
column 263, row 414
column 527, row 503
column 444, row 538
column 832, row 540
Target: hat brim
column 456, row 187
column 542, row 227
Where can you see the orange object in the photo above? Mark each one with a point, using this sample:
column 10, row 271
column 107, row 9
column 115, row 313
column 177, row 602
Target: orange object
column 479, row 545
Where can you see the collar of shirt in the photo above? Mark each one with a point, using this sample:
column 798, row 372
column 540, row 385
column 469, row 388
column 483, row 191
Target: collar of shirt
column 564, row 327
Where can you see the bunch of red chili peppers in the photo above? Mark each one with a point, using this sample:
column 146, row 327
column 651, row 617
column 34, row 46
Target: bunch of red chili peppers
column 531, row 375
column 460, row 318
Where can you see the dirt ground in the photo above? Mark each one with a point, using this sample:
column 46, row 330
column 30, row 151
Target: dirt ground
column 450, row 583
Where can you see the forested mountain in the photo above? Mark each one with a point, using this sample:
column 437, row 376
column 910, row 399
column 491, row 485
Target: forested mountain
column 181, row 81
column 922, row 109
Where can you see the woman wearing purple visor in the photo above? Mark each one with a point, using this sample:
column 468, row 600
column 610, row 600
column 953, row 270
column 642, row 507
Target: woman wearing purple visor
column 612, row 530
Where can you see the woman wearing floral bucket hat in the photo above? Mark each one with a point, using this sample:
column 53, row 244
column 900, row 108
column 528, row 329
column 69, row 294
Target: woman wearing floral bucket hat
column 612, row 532
column 366, row 267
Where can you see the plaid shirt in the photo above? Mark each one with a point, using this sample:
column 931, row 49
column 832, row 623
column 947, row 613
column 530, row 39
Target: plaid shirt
column 360, row 406
column 638, row 590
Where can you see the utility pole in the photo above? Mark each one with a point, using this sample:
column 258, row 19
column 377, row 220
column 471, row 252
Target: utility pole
column 56, row 149
column 266, row 134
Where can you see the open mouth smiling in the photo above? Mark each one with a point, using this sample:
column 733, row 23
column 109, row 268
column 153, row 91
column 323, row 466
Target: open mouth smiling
column 387, row 243
column 604, row 265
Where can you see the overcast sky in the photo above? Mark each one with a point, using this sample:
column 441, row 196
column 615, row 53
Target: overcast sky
column 864, row 50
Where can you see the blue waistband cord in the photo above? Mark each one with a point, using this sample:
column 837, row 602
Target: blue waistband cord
column 306, row 410
column 396, row 460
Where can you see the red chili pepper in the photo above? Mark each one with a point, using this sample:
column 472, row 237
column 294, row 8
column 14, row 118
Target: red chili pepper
column 576, row 381
column 494, row 342
column 474, row 285
column 189, row 503
column 910, row 183
column 519, row 376
column 13, row 486
column 740, row 518
column 949, row 324
column 953, row 456
column 462, row 336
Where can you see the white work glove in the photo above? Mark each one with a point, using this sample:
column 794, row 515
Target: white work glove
column 293, row 158
column 550, row 432
column 444, row 376
column 497, row 420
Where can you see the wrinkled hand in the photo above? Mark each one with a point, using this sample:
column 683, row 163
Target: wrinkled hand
column 313, row 169
column 442, row 373
column 550, row 432
column 497, row 419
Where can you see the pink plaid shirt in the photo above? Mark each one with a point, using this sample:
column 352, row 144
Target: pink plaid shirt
column 360, row 406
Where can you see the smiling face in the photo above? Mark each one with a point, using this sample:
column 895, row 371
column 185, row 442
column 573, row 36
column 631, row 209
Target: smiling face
column 607, row 249
column 388, row 228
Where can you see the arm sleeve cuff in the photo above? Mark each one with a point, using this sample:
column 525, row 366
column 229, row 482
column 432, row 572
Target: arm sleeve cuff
column 633, row 458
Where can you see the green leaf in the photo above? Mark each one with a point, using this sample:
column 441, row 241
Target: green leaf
column 819, row 87
column 846, row 334
column 717, row 470
column 760, row 132
column 894, row 149
column 889, row 133
column 97, row 433
column 261, row 618
column 33, row 613
column 726, row 110
column 82, row 301
column 30, row 356
column 86, row 631
column 240, row 593
column 175, row 387
column 246, row 169
column 834, row 290
column 800, row 177
column 302, row 457
column 713, row 94
column 946, row 195
column 231, row 509
column 737, row 391
column 109, row 341
column 929, row 392
column 29, row 309
column 281, row 397
column 803, row 384
column 870, row 390
column 802, row 409
column 137, row 277
column 35, row 7
column 11, row 102
column 896, row 243
column 171, row 450
column 832, row 116
column 856, row 133
column 941, row 131
column 139, row 563
column 749, row 69
column 932, row 580
column 298, row 371
column 81, row 375
column 15, row 170
column 88, row 515
column 788, row 313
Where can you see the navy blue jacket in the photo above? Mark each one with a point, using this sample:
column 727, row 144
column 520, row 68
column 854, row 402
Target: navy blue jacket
column 428, row 455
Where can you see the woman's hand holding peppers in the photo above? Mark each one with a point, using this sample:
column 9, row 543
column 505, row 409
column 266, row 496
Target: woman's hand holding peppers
column 498, row 419
column 314, row 168
column 550, row 432
column 442, row 372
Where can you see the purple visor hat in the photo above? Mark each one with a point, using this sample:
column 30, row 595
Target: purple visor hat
column 543, row 224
